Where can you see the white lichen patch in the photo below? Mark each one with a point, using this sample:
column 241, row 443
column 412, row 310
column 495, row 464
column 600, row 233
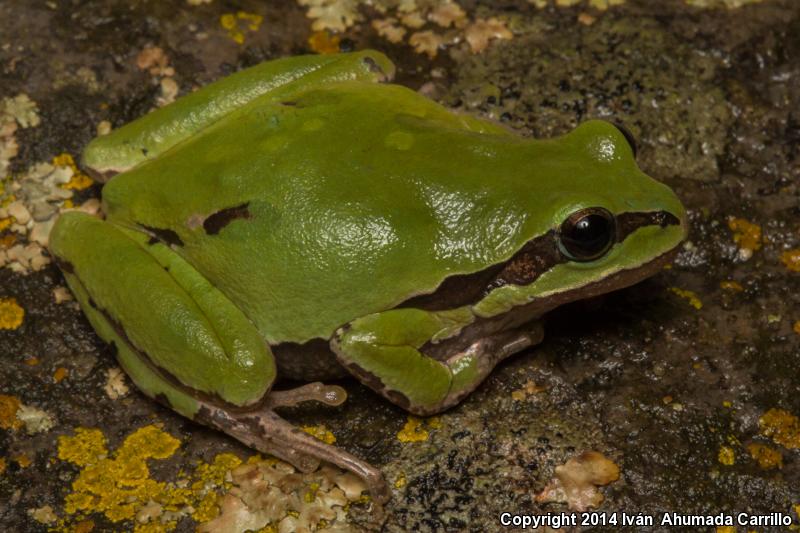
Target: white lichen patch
column 426, row 25
column 272, row 493
column 156, row 62
column 575, row 482
column 35, row 419
column 32, row 202
column 116, row 386
column 334, row 15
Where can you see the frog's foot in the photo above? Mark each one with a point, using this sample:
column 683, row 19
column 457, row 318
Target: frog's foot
column 332, row 395
column 268, row 433
column 405, row 355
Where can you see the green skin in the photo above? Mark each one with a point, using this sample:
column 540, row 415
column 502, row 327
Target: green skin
column 301, row 201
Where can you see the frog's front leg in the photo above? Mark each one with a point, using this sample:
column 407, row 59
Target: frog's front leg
column 185, row 344
column 386, row 351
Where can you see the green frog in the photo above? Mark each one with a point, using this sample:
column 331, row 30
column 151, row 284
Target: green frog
column 307, row 219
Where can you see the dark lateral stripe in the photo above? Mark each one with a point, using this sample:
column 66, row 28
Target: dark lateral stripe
column 627, row 223
column 534, row 259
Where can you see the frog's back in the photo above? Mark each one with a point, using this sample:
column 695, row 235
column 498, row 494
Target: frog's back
column 330, row 204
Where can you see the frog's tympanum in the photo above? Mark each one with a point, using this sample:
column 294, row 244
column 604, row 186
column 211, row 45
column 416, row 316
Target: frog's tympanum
column 305, row 219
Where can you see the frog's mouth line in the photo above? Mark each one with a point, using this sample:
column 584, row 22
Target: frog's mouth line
column 538, row 256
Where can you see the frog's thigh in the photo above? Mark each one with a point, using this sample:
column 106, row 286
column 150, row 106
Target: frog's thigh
column 155, row 307
column 384, row 351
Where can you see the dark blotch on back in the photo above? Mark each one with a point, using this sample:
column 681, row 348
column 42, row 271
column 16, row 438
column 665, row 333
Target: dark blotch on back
column 167, row 236
column 214, row 223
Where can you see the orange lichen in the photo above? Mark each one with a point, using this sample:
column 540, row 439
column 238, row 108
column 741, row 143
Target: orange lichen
column 320, row 432
column 782, row 427
column 9, row 405
column 2, row 465
column 324, row 42
column 731, row 285
column 766, row 456
column 791, row 259
column 528, row 389
column 746, row 235
column 688, row 295
column 60, row 374
column 22, row 460
column 11, row 314
column 796, row 327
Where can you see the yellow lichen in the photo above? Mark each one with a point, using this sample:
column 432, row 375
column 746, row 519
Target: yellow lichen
column 207, row 509
column 79, row 180
column 796, row 327
column 2, row 465
column 413, row 430
column 116, row 486
column 746, row 235
column 725, row 529
column 85, row 448
column 240, row 22
column 320, row 432
column 324, row 42
column 11, row 314
column 400, row 481
column 5, row 223
column 726, row 455
column 791, row 259
column 731, row 285
column 782, row 427
column 9, row 405
column 688, row 295
column 766, row 456
column 215, row 472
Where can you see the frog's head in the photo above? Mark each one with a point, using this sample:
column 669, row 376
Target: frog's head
column 596, row 223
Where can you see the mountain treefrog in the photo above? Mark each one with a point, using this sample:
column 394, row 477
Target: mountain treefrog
column 305, row 219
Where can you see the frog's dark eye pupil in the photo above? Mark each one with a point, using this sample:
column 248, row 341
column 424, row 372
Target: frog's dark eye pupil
column 587, row 234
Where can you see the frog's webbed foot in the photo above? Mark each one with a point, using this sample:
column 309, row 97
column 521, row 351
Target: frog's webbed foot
column 332, row 395
column 266, row 432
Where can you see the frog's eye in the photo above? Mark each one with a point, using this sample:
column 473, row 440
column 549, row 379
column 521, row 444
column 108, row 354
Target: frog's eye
column 628, row 137
column 587, row 234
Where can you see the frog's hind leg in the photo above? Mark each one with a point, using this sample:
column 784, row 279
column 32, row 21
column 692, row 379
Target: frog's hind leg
column 184, row 344
column 267, row 432
column 388, row 352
